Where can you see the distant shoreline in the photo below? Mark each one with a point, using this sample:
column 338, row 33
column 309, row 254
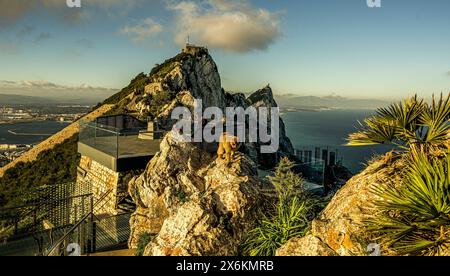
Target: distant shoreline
column 29, row 121
column 29, row 132
column 12, row 131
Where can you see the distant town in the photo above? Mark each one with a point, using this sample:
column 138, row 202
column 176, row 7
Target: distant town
column 10, row 152
column 16, row 114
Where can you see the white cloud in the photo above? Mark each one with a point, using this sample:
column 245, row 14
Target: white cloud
column 143, row 30
column 82, row 93
column 231, row 25
column 12, row 10
column 43, row 85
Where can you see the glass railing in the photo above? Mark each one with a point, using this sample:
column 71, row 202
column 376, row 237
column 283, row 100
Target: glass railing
column 103, row 138
column 313, row 171
column 120, row 143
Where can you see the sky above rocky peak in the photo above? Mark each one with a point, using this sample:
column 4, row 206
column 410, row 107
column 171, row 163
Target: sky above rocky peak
column 304, row 47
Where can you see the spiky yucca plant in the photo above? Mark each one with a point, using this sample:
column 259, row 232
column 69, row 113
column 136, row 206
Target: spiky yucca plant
column 414, row 219
column 411, row 123
column 288, row 218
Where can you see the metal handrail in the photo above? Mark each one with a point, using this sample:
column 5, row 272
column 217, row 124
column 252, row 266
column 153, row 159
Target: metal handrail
column 105, row 128
column 35, row 209
column 45, row 202
column 85, row 217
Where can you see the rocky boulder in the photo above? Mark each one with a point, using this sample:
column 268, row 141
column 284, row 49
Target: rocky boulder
column 192, row 203
column 307, row 246
column 339, row 227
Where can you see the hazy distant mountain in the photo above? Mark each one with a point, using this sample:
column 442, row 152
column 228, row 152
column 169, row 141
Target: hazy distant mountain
column 45, row 91
column 12, row 99
column 328, row 102
column 53, row 98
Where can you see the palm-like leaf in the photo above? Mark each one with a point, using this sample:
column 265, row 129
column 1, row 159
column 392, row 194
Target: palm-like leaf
column 411, row 122
column 415, row 219
column 436, row 119
column 274, row 231
column 376, row 132
column 403, row 114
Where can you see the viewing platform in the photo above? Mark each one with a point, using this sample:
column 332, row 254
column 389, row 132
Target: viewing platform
column 120, row 143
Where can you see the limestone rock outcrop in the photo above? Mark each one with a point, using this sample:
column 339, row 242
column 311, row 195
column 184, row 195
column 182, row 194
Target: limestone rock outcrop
column 307, row 246
column 340, row 226
column 193, row 76
column 264, row 98
column 193, row 203
column 190, row 202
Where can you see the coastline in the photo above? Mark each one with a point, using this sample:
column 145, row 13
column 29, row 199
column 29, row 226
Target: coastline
column 24, row 121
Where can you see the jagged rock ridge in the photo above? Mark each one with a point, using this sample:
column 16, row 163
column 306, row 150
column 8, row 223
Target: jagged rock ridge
column 191, row 202
column 194, row 75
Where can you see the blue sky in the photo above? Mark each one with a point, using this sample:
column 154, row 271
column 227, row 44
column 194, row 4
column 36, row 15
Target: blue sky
column 305, row 47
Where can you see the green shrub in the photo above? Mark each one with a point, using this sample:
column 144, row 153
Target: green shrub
column 54, row 166
column 158, row 101
column 143, row 240
column 289, row 221
column 138, row 83
column 411, row 123
column 289, row 218
column 414, row 218
column 160, row 70
column 287, row 184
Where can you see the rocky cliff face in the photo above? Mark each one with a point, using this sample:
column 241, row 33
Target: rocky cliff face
column 339, row 229
column 264, row 98
column 193, row 203
column 186, row 77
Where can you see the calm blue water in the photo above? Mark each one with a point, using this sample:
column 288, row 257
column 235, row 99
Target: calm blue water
column 306, row 130
column 330, row 129
column 41, row 128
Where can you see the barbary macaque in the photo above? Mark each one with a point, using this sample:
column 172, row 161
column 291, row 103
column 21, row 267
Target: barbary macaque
column 227, row 147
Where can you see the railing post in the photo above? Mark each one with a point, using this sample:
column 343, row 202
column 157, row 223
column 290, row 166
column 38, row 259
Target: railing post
column 94, row 237
column 94, row 230
column 117, row 145
column 82, row 237
column 92, row 207
column 82, row 206
column 16, row 224
column 75, row 215
column 67, row 206
column 65, row 244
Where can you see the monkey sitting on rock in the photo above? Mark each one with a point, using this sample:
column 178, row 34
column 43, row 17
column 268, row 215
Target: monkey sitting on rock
column 227, row 147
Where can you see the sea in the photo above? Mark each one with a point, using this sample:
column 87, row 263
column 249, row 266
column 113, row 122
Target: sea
column 306, row 129
column 29, row 132
column 329, row 129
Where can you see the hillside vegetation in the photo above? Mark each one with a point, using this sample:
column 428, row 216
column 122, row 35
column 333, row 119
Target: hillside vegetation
column 57, row 165
column 55, row 160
